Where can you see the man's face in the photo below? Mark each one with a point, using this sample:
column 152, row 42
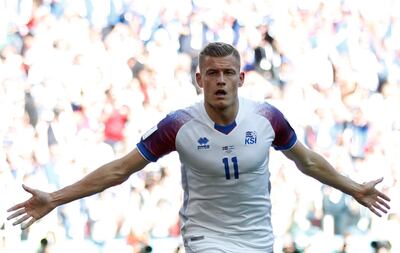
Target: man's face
column 220, row 78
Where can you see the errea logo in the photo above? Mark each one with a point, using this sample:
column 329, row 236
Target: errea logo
column 203, row 143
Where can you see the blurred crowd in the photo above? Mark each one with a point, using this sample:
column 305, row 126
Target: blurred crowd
column 81, row 81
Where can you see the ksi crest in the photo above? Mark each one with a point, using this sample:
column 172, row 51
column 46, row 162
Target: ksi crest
column 250, row 138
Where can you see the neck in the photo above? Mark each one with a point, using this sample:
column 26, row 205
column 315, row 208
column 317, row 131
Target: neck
column 222, row 116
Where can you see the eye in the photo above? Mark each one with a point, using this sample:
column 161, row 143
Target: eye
column 229, row 72
column 212, row 72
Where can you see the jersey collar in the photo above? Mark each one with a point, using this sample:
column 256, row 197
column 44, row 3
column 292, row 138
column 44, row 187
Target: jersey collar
column 220, row 128
column 225, row 129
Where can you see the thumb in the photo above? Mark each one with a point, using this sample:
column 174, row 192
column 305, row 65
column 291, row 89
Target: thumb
column 28, row 189
column 377, row 181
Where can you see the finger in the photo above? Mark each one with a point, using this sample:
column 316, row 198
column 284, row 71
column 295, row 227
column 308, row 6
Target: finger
column 379, row 207
column 25, row 226
column 374, row 211
column 18, row 213
column 28, row 189
column 21, row 220
column 18, row 206
column 383, row 203
column 377, row 181
column 384, row 196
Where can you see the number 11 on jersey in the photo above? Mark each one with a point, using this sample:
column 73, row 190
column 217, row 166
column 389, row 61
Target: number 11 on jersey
column 234, row 161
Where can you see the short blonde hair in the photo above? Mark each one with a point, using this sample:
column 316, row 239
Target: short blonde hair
column 218, row 49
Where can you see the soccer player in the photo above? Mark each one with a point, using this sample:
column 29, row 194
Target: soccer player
column 223, row 144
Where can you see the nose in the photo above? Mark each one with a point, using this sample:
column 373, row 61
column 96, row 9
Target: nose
column 221, row 79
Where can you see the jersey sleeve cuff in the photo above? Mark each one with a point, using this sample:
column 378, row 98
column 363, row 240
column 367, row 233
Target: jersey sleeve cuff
column 291, row 143
column 146, row 153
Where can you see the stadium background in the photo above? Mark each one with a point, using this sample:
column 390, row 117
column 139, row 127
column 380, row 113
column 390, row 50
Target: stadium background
column 81, row 80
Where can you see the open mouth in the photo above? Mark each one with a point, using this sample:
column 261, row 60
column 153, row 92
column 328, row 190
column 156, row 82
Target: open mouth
column 220, row 93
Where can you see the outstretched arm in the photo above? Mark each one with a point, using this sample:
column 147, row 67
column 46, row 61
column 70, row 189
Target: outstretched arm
column 108, row 175
column 314, row 165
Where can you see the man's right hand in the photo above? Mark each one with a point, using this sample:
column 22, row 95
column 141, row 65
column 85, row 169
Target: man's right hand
column 34, row 208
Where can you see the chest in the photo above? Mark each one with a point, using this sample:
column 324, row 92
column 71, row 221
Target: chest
column 209, row 152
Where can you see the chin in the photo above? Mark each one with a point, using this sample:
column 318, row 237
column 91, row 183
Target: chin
column 220, row 105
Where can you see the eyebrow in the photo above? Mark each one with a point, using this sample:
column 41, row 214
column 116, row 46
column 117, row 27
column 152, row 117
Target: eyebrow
column 223, row 69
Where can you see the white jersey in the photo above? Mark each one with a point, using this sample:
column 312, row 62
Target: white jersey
column 225, row 174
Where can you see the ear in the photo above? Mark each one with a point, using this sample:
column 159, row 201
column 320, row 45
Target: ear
column 241, row 78
column 198, row 80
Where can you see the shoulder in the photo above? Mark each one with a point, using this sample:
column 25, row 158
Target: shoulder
column 176, row 119
column 262, row 108
column 285, row 136
column 160, row 140
column 252, row 108
column 180, row 115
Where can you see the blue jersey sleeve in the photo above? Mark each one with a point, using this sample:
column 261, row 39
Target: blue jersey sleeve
column 285, row 136
column 160, row 140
